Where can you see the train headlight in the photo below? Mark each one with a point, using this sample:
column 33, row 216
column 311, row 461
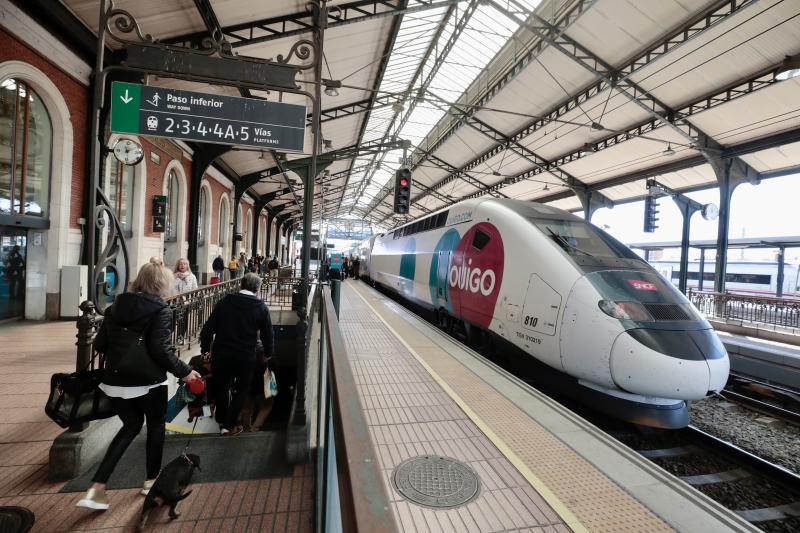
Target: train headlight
column 625, row 310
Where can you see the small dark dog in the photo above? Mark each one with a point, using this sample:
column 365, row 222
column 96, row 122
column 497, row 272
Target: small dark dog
column 169, row 486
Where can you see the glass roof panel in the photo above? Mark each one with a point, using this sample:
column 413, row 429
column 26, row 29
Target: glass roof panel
column 485, row 34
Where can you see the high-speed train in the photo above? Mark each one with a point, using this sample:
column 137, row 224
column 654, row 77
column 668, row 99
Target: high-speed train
column 583, row 307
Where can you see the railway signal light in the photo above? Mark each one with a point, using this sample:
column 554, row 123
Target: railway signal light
column 402, row 190
column 650, row 213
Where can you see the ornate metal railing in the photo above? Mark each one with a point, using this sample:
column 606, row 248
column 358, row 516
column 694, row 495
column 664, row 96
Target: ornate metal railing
column 191, row 310
column 277, row 292
column 783, row 312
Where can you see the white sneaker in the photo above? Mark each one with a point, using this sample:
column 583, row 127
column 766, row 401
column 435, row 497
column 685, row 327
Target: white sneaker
column 223, row 431
column 148, row 484
column 93, row 500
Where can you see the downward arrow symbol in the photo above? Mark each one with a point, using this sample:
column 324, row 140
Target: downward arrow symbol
column 126, row 99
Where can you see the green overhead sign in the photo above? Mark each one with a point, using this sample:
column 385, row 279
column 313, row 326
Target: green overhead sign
column 159, row 112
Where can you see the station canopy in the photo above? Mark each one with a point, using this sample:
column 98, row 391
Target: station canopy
column 540, row 101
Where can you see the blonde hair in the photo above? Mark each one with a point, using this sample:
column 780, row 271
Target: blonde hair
column 153, row 279
column 183, row 260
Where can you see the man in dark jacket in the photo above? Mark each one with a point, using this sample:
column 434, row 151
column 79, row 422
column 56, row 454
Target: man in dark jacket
column 234, row 326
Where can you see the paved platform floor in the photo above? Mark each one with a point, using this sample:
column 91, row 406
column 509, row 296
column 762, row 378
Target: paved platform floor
column 29, row 353
column 541, row 467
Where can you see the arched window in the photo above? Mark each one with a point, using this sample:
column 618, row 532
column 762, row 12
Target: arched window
column 202, row 213
column 172, row 207
column 223, row 221
column 27, row 136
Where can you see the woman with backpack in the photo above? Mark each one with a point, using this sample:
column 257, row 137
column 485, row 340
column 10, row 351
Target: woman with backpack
column 136, row 339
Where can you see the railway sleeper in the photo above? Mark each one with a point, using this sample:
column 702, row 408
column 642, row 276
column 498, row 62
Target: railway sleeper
column 719, row 477
column 670, row 452
column 779, row 512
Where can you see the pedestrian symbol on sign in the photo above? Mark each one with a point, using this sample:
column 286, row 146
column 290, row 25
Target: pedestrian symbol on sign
column 154, row 101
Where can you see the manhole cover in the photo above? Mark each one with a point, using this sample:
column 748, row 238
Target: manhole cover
column 435, row 481
column 15, row 520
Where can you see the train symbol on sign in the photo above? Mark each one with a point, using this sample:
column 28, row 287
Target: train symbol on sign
column 152, row 123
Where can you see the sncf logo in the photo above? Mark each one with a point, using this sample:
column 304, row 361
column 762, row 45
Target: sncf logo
column 465, row 277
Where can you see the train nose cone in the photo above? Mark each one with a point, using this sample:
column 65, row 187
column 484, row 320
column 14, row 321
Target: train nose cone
column 684, row 365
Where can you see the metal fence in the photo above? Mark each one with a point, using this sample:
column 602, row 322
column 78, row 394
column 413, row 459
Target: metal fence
column 350, row 492
column 783, row 312
column 191, row 310
column 277, row 292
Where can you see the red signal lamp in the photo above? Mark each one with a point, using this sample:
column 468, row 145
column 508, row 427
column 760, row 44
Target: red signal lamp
column 403, row 182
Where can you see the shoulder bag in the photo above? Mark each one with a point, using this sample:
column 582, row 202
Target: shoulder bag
column 76, row 398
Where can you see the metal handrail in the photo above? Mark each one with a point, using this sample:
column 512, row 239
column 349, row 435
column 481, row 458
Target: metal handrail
column 361, row 501
column 782, row 312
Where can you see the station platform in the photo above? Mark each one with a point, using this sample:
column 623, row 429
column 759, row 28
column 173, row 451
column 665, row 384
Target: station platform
column 777, row 362
column 29, row 353
column 539, row 467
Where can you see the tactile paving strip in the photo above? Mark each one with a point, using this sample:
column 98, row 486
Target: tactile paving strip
column 435, row 481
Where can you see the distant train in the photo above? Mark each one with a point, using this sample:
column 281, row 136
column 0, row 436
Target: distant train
column 581, row 307
column 756, row 277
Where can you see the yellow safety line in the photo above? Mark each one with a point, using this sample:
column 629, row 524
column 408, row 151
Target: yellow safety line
column 179, row 429
column 558, row 506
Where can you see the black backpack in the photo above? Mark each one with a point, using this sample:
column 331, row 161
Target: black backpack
column 127, row 354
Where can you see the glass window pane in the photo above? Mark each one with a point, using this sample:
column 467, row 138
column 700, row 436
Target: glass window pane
column 39, row 153
column 25, row 150
column 201, row 218
column 172, row 207
column 223, row 222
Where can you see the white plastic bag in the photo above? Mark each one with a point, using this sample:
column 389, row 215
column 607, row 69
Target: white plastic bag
column 270, row 384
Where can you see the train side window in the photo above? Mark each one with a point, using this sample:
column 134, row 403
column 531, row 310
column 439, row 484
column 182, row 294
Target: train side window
column 426, row 224
column 480, row 240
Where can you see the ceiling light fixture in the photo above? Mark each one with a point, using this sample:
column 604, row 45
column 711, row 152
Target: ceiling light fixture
column 332, row 87
column 789, row 68
column 669, row 152
column 327, row 143
column 546, row 187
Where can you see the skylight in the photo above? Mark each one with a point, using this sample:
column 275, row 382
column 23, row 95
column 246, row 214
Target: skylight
column 484, row 35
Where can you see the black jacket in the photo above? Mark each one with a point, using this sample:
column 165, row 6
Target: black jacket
column 218, row 264
column 153, row 317
column 234, row 325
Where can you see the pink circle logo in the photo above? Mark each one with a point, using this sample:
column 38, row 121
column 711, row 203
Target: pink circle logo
column 476, row 273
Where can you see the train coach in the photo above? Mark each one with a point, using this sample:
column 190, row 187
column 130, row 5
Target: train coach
column 581, row 307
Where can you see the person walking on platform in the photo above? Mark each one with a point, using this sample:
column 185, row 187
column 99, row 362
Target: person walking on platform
column 134, row 376
column 218, row 266
column 242, row 264
column 184, row 279
column 230, row 334
column 233, row 266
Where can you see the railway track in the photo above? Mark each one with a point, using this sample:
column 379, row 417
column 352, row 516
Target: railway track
column 763, row 493
column 766, row 398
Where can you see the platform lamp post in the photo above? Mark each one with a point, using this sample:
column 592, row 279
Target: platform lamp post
column 687, row 207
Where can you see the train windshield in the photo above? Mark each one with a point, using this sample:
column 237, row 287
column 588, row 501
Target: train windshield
column 578, row 238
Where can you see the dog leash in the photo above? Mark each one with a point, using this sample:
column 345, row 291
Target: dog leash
column 189, row 440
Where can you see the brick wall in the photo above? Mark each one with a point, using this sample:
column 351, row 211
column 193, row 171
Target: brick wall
column 77, row 98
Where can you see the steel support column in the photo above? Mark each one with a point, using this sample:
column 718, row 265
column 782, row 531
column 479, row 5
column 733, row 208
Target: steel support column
column 319, row 16
column 702, row 269
column 781, row 270
column 729, row 176
column 204, row 155
column 687, row 210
